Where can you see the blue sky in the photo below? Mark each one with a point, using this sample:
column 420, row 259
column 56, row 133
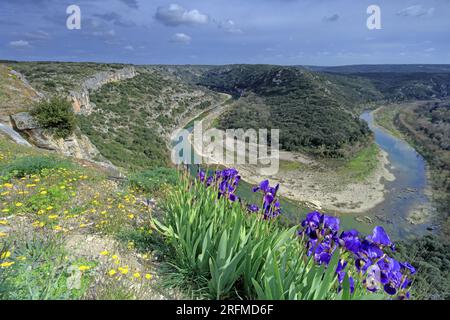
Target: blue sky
column 289, row 32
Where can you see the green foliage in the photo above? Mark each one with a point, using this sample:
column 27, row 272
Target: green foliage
column 431, row 257
column 41, row 270
column 56, row 115
column 133, row 118
column 227, row 253
column 23, row 166
column 152, row 180
column 295, row 101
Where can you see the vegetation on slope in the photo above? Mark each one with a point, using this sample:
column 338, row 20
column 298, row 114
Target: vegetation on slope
column 293, row 100
column 133, row 118
column 15, row 96
column 428, row 126
column 66, row 232
column 58, row 78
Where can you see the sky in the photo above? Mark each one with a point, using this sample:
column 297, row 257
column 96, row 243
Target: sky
column 286, row 32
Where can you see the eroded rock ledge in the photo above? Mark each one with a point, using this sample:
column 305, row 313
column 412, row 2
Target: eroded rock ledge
column 80, row 99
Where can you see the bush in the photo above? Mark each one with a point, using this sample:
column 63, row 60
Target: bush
column 152, row 180
column 32, row 165
column 56, row 115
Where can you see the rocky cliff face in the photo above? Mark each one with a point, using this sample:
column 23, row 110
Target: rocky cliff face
column 80, row 99
column 77, row 145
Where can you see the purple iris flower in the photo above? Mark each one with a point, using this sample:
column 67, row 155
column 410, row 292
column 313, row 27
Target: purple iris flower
column 271, row 206
column 263, row 186
column 252, row 208
column 407, row 266
column 370, row 250
column 331, row 223
column 380, row 237
column 201, row 175
column 350, row 240
column 312, row 220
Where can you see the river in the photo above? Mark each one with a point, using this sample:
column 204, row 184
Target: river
column 406, row 197
column 406, row 194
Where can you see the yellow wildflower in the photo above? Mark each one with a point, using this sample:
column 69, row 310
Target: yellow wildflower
column 83, row 268
column 6, row 264
column 43, row 193
column 8, row 185
column 136, row 275
column 5, row 193
column 148, row 276
column 19, row 204
column 112, row 272
column 5, row 210
column 53, row 217
column 30, row 185
column 123, row 270
column 3, row 222
column 104, row 253
column 5, row 255
column 49, row 208
column 2, row 234
column 131, row 216
column 115, row 257
column 57, row 228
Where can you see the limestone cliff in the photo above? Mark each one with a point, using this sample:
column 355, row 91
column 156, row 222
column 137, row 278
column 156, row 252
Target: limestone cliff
column 80, row 99
column 76, row 145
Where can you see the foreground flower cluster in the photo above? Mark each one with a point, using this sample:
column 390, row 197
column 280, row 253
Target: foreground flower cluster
column 368, row 255
column 373, row 266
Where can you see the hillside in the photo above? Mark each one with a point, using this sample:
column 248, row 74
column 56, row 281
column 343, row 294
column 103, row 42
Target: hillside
column 133, row 119
column 127, row 112
column 303, row 105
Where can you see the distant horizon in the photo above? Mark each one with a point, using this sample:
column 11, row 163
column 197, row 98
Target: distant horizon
column 226, row 64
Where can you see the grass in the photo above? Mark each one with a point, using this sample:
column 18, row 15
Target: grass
column 363, row 164
column 290, row 165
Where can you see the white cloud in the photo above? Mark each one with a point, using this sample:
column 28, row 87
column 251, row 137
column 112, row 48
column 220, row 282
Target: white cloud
column 181, row 38
column 230, row 26
column 129, row 47
column 19, row 44
column 416, row 11
column 176, row 15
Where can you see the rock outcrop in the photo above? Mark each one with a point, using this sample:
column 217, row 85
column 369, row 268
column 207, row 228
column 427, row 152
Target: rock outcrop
column 76, row 145
column 80, row 99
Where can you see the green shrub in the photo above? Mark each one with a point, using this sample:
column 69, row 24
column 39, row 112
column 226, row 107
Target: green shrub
column 152, row 180
column 56, row 115
column 32, row 165
column 224, row 252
